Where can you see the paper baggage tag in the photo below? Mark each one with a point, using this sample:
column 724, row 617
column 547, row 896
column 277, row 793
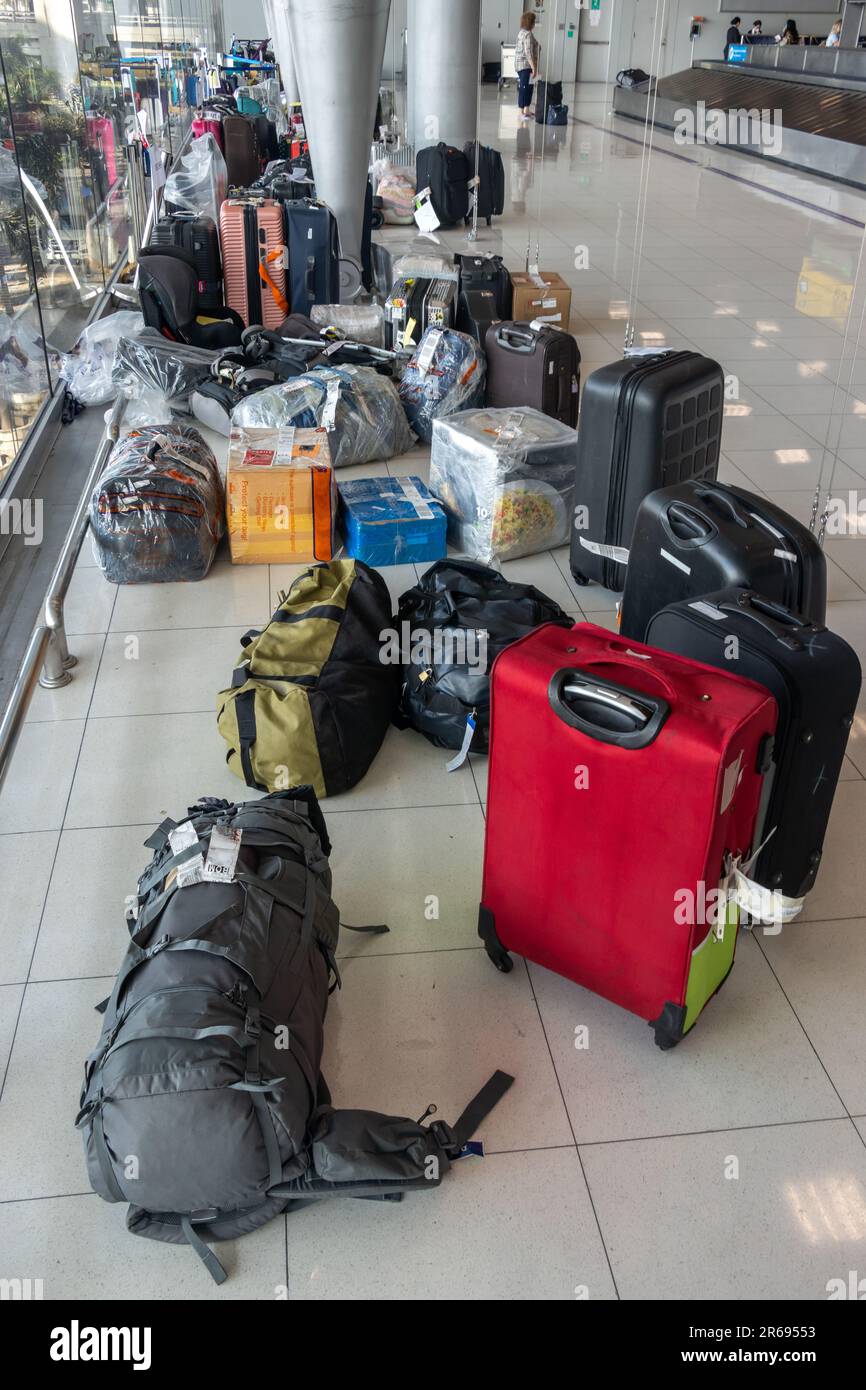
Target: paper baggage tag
column 329, row 413
column 409, row 334
column 191, row 870
column 222, row 855
column 545, row 321
column 474, row 182
column 424, row 215
column 460, row 757
column 532, row 271
column 412, row 495
column 730, row 782
column 285, row 446
column 619, row 553
column 428, row 352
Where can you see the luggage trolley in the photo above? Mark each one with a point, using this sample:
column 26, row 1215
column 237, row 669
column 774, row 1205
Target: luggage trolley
column 508, row 72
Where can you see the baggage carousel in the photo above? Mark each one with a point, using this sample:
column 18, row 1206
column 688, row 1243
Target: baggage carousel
column 813, row 119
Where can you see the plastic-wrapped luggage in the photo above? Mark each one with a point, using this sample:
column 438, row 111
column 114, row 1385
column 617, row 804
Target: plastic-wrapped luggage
column 87, row 369
column 363, row 323
column 157, row 512
column 150, row 361
column 506, row 479
column 446, row 374
column 358, row 407
column 396, row 189
column 199, row 182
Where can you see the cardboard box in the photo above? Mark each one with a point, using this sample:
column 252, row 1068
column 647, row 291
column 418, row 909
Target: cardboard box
column 391, row 521
column 281, row 498
column 542, row 296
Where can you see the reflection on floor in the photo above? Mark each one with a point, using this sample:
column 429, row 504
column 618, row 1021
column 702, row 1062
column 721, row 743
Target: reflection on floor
column 607, row 1171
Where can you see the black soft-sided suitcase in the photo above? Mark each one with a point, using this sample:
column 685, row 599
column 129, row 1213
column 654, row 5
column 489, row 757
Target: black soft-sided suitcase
column 243, row 152
column 815, row 678
column 546, row 94
column 533, row 366
column 476, row 311
column 445, row 171
column 645, row 422
column 198, row 236
column 314, row 255
column 491, row 180
column 696, row 537
column 487, row 272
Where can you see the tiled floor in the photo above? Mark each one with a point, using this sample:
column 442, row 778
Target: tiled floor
column 732, row 1167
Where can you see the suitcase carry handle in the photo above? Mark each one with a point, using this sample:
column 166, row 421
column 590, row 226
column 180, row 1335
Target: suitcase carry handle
column 697, row 527
column 516, row 339
column 770, row 616
column 605, row 711
column 716, row 494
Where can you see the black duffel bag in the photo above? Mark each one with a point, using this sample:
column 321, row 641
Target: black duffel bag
column 458, row 618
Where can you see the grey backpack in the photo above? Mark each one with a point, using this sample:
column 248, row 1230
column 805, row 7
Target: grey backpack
column 203, row 1104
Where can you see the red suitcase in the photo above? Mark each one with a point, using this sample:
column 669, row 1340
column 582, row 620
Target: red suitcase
column 208, row 123
column 621, row 779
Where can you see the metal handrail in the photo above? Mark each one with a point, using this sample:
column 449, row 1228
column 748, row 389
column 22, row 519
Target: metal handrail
column 48, row 649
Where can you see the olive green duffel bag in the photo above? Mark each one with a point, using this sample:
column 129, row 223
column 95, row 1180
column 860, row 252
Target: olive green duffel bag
column 311, row 699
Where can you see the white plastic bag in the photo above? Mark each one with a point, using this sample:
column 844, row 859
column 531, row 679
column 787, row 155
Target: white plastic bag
column 198, row 184
column 86, row 370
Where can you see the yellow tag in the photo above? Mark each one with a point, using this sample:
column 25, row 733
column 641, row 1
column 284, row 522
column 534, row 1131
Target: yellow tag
column 408, row 338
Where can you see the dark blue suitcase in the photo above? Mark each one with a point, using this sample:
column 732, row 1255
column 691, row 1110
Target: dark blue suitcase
column 314, row 255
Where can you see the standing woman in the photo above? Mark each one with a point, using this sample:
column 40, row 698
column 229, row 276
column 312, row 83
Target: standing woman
column 526, row 61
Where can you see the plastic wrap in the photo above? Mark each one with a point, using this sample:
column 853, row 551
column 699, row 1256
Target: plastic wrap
column 157, row 511
column 363, row 323
column 396, row 188
column 281, row 498
column 391, row 521
column 359, row 408
column 422, row 258
column 198, row 184
column 446, row 374
column 506, row 480
column 87, row 369
column 153, row 363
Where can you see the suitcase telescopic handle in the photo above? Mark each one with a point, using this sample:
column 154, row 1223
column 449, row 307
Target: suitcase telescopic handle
column 605, row 711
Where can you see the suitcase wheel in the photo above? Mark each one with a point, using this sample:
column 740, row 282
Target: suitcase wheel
column 665, row 1041
column 501, row 959
column 580, row 579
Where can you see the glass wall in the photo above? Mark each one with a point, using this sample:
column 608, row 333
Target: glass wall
column 78, row 80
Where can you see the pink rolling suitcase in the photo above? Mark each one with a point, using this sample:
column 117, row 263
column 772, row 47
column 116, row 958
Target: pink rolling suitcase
column 208, row 123
column 101, row 134
column 253, row 242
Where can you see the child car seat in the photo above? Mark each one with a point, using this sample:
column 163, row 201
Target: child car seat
column 168, row 287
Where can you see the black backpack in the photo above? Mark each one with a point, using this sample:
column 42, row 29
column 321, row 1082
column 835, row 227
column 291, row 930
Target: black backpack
column 446, row 172
column 204, row 1106
column 447, row 677
column 491, row 175
column 487, row 272
column 632, row 77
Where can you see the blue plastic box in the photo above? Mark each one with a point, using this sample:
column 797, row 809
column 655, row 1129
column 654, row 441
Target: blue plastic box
column 391, row 521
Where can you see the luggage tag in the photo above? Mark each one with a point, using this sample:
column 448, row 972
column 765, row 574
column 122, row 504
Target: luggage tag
column 412, row 495
column 509, row 430
column 648, row 351
column 424, row 215
column 192, row 870
column 329, row 413
column 460, row 757
column 428, row 352
column 222, row 855
column 618, row 553
column 474, row 182
column 545, row 321
column 408, row 339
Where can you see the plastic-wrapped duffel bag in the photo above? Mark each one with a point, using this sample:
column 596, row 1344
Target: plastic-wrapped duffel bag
column 446, row 374
column 358, row 407
column 157, row 513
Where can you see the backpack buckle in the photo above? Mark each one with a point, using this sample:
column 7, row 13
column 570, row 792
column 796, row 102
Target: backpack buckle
column 253, row 1022
column 444, row 1136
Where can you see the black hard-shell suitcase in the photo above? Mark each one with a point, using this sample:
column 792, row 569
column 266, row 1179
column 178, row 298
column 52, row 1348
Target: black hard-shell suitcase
column 696, row 537
column 445, row 171
column 314, row 255
column 243, row 152
column 487, row 272
column 538, row 367
column 546, row 94
column 198, row 236
column 476, row 311
column 491, row 180
column 645, row 422
column 815, row 678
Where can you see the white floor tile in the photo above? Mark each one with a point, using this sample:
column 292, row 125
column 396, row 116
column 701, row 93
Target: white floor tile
column 70, row 701
column 37, row 784
column 793, row 1219
column 484, row 1227
column 745, row 1062
column 229, row 596
column 25, row 868
column 418, row 871
column 134, row 676
column 89, row 602
column 453, row 1020
column 407, row 771
column 10, row 1003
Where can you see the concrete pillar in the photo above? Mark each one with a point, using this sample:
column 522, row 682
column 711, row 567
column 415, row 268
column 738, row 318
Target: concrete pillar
column 443, row 70
column 338, row 47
